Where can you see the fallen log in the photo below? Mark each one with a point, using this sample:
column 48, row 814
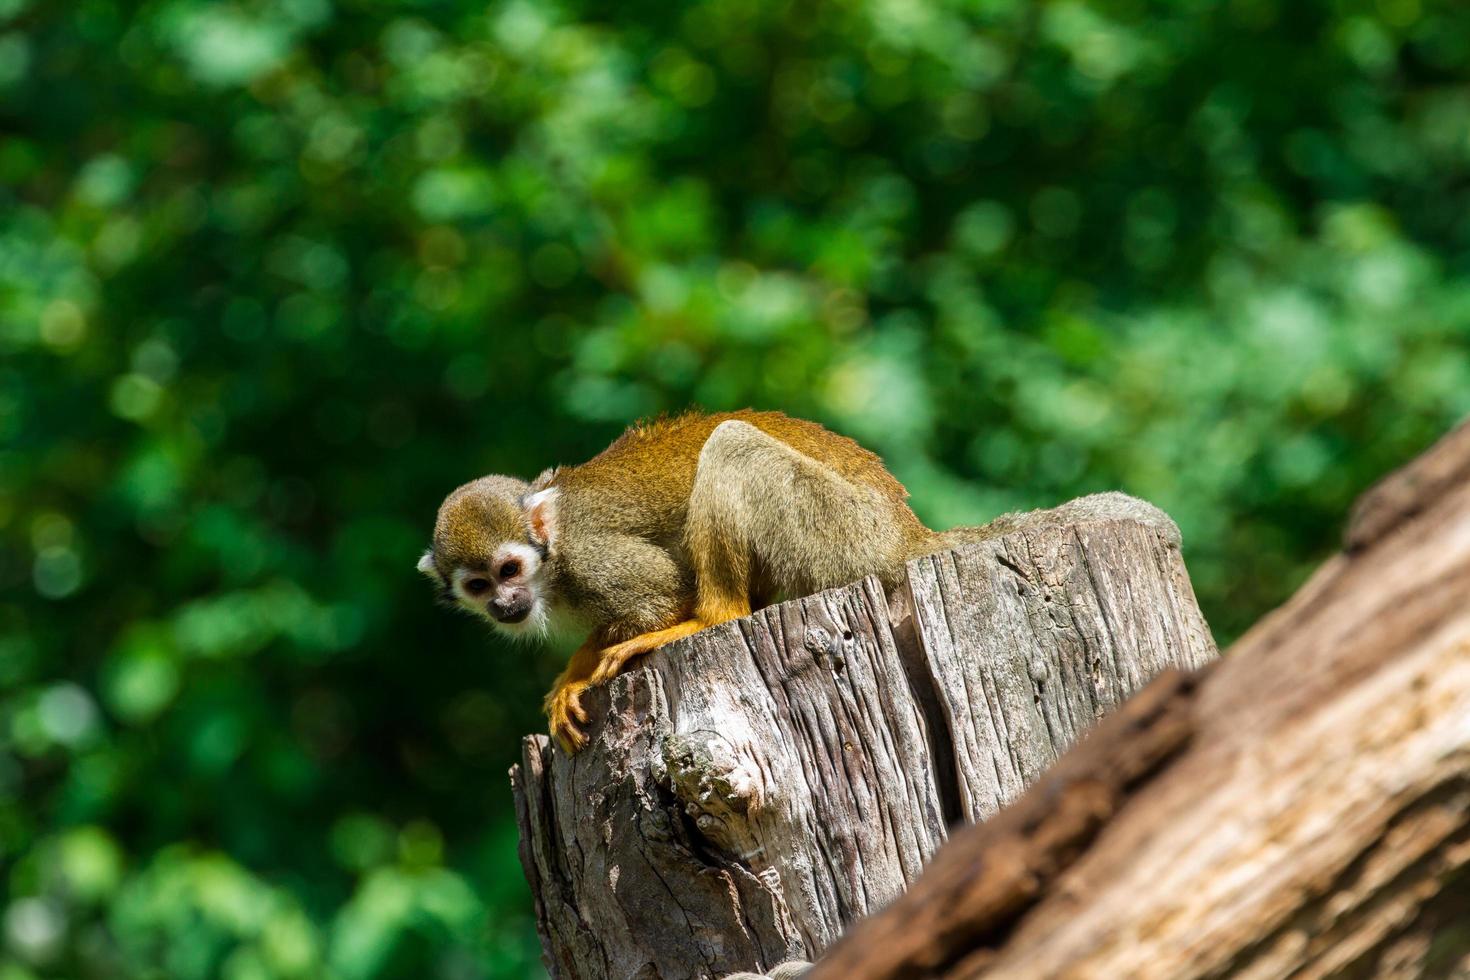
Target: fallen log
column 751, row 791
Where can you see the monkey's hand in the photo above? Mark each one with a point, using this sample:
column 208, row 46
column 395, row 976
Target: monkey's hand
column 564, row 709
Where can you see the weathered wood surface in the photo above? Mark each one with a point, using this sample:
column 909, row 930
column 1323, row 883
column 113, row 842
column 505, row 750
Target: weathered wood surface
column 1033, row 635
column 1300, row 809
column 752, row 790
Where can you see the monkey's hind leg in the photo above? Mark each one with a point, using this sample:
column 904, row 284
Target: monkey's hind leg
column 759, row 503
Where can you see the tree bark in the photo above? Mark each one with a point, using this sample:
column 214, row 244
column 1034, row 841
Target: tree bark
column 752, row 790
column 1301, row 808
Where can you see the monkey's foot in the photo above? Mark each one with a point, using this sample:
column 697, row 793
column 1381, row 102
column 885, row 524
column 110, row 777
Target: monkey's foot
column 611, row 660
column 564, row 708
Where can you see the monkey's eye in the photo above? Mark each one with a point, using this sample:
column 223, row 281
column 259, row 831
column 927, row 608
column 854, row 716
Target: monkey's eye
column 477, row 585
column 510, row 569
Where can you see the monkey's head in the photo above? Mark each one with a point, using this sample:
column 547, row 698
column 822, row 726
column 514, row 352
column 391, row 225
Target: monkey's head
column 490, row 552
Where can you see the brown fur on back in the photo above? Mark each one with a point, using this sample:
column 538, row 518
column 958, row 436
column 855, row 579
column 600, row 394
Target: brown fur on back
column 643, row 480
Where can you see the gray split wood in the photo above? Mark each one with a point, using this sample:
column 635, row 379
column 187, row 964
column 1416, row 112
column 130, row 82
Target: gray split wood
column 752, row 790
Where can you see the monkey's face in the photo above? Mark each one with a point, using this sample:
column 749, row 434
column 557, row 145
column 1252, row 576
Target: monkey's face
column 502, row 588
column 485, row 559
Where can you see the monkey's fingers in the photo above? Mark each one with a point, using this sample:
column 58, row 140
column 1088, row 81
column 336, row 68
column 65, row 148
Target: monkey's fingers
column 575, row 709
column 564, row 707
column 571, row 737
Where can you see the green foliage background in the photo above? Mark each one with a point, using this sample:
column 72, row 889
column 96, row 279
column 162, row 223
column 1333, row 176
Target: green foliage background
column 276, row 274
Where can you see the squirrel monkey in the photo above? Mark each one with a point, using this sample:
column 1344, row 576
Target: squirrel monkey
column 680, row 524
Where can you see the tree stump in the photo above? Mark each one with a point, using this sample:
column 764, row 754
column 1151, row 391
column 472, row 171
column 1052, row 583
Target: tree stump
column 752, row 790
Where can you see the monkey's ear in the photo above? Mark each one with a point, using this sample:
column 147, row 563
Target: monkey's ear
column 541, row 516
column 427, row 566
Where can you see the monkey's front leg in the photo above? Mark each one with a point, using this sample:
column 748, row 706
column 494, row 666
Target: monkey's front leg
column 595, row 664
column 563, row 705
column 613, row 659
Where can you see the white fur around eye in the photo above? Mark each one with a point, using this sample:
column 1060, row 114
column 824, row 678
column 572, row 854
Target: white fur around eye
column 523, row 554
column 462, row 575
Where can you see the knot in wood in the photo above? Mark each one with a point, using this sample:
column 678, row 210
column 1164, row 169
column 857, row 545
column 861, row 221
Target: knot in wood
column 820, row 643
column 716, row 788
